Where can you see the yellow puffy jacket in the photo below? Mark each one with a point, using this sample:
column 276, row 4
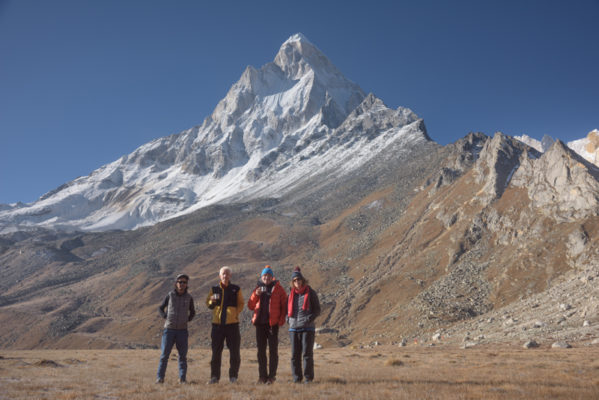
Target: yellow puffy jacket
column 231, row 300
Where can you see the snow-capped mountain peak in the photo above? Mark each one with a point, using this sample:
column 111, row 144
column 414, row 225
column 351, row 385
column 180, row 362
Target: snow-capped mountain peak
column 277, row 127
column 297, row 57
column 587, row 147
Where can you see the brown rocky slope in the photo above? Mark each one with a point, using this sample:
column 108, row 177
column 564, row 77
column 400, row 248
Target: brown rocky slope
column 481, row 240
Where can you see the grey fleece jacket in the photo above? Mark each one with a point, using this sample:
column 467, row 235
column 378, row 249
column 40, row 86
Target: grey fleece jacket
column 303, row 320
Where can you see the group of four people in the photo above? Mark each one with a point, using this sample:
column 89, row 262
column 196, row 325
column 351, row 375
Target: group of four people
column 272, row 308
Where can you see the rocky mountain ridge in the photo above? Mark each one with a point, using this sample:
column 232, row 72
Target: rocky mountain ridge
column 477, row 241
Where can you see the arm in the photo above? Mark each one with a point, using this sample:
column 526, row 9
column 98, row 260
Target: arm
column 315, row 304
column 162, row 307
column 283, row 307
column 209, row 302
column 253, row 301
column 192, row 310
column 240, row 302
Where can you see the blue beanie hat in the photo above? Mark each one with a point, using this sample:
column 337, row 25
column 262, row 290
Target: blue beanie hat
column 267, row 270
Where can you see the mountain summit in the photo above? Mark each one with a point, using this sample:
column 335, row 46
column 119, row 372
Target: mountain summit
column 278, row 127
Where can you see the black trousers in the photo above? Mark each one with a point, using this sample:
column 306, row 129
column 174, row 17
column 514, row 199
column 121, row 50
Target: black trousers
column 302, row 348
column 267, row 335
column 229, row 334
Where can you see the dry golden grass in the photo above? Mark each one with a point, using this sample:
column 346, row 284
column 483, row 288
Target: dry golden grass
column 414, row 372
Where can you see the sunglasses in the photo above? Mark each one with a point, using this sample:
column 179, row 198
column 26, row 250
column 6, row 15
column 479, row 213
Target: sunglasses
column 182, row 282
column 296, row 280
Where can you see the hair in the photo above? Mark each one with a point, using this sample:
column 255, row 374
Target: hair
column 225, row 268
column 304, row 280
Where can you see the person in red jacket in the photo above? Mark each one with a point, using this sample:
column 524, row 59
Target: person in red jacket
column 269, row 304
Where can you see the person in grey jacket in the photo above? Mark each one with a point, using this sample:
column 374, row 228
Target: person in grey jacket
column 302, row 309
column 179, row 310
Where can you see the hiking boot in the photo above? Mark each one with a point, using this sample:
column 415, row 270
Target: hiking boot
column 160, row 380
column 262, row 381
column 213, row 380
column 233, row 379
column 182, row 381
column 270, row 381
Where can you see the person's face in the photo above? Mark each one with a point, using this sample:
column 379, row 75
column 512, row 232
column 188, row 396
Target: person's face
column 225, row 276
column 266, row 279
column 181, row 285
column 298, row 283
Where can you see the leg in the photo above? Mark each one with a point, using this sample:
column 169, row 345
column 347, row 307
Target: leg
column 218, row 341
column 168, row 339
column 308, row 354
column 261, row 339
column 234, row 345
column 181, row 342
column 296, row 355
column 273, row 352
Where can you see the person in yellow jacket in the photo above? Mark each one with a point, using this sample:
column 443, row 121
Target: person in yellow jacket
column 226, row 302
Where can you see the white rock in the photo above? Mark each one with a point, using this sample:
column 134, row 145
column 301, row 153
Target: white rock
column 317, row 346
column 561, row 345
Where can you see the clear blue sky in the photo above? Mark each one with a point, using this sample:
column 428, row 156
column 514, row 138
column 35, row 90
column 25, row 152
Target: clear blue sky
column 83, row 82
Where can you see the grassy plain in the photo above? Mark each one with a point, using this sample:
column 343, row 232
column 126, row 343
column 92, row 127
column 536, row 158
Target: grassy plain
column 412, row 372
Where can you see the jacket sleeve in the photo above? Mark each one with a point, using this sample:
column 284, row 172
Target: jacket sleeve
column 253, row 301
column 284, row 300
column 209, row 301
column 162, row 307
column 192, row 310
column 240, row 302
column 315, row 304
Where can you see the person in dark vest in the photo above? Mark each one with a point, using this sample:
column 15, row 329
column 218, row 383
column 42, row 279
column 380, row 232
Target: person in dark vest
column 269, row 304
column 179, row 311
column 226, row 302
column 302, row 309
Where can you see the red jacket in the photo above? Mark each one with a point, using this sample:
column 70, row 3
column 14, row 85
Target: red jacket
column 278, row 305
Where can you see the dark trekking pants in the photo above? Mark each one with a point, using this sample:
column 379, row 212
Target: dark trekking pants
column 302, row 349
column 267, row 335
column 230, row 334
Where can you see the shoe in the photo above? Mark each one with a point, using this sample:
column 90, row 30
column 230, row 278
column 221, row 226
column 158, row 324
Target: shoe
column 213, row 380
column 262, row 381
column 297, row 381
column 270, row 381
column 160, row 380
column 307, row 381
column 233, row 379
column 182, row 381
